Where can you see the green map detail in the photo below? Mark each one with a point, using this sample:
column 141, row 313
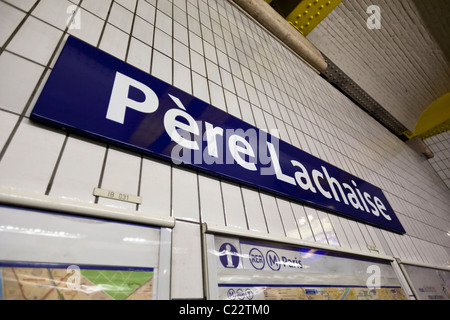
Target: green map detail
column 118, row 284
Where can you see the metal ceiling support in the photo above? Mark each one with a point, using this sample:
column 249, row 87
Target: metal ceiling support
column 304, row 15
column 340, row 80
column 420, row 147
column 347, row 86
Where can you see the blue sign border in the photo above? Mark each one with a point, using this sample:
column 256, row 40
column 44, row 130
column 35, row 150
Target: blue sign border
column 78, row 97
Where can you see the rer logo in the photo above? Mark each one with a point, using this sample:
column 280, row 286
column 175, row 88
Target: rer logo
column 229, row 256
column 256, row 259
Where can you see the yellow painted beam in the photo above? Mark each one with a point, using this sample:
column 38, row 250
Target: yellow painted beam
column 435, row 119
column 309, row 13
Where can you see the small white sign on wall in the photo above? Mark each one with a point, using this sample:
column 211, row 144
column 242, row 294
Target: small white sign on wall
column 120, row 196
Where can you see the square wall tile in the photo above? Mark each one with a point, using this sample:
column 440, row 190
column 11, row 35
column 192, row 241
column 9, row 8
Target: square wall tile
column 7, row 123
column 185, row 203
column 79, row 170
column 98, row 8
column 58, row 13
column 114, row 42
column 162, row 67
column 9, row 20
column 90, row 28
column 139, row 55
column 155, row 188
column 25, row 5
column 18, row 79
column 30, row 159
column 121, row 174
column 120, row 18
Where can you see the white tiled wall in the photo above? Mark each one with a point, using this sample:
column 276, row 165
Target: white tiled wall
column 215, row 52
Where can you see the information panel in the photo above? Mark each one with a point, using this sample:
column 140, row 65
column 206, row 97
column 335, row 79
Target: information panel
column 242, row 269
column 428, row 283
column 49, row 256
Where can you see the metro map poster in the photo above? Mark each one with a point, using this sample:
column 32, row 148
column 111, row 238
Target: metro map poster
column 60, row 282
